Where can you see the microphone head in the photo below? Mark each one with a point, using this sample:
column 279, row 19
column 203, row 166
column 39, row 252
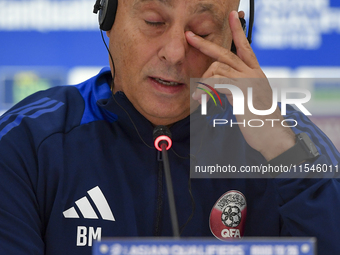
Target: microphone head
column 162, row 134
column 97, row 6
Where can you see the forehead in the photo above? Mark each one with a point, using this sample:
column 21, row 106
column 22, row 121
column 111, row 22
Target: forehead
column 217, row 8
column 172, row 3
column 192, row 3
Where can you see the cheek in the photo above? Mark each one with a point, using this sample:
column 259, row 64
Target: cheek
column 199, row 64
column 124, row 49
column 134, row 50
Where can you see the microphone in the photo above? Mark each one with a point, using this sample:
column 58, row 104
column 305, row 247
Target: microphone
column 97, row 6
column 163, row 142
column 162, row 135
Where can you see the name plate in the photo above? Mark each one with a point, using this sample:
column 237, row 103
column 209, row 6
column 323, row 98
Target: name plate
column 245, row 246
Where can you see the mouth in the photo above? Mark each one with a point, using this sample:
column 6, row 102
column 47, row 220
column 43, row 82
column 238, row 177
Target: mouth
column 167, row 86
column 166, row 82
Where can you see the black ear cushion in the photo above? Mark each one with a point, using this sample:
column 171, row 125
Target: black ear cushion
column 244, row 26
column 107, row 14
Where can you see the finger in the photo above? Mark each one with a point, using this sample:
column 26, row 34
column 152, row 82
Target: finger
column 221, row 69
column 244, row 51
column 215, row 51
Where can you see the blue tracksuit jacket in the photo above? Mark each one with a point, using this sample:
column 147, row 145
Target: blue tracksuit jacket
column 73, row 169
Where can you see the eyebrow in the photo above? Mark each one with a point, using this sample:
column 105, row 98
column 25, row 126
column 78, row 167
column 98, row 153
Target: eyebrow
column 211, row 9
column 168, row 3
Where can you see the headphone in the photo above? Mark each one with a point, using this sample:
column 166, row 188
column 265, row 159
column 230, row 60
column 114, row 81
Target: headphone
column 108, row 8
column 107, row 13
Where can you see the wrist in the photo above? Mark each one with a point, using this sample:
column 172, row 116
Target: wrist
column 278, row 143
column 304, row 149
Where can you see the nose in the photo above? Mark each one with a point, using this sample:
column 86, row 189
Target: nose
column 175, row 47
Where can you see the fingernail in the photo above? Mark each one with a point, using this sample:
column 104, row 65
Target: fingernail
column 193, row 95
column 236, row 14
column 191, row 34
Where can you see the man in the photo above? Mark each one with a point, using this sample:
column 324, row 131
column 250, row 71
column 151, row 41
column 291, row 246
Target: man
column 77, row 163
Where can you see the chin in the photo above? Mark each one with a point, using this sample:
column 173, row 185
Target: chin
column 166, row 118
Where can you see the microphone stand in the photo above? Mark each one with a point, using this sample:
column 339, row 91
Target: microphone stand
column 170, row 190
column 162, row 142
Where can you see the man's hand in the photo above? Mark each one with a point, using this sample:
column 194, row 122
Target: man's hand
column 244, row 71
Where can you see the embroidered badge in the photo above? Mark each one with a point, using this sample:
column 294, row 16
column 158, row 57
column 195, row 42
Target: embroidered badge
column 228, row 216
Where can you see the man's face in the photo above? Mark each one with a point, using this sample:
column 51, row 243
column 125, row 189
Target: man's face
column 153, row 60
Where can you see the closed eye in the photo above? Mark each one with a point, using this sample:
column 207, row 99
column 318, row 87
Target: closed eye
column 155, row 24
column 159, row 23
column 203, row 36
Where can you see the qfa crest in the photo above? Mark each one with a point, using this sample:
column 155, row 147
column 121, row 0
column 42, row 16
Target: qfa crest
column 227, row 217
